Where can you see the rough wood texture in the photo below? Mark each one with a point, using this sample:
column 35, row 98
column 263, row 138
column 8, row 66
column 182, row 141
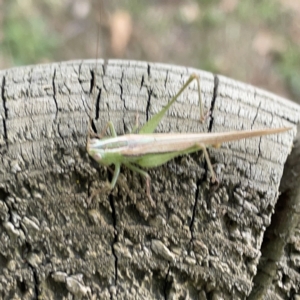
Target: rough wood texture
column 278, row 271
column 200, row 242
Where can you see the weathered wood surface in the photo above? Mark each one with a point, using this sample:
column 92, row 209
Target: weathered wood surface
column 200, row 242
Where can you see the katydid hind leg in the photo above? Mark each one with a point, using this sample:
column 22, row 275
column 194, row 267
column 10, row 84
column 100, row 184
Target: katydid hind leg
column 151, row 125
column 214, row 178
column 203, row 115
column 147, row 178
column 135, row 128
column 155, row 160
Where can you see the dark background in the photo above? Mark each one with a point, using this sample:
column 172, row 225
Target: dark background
column 253, row 41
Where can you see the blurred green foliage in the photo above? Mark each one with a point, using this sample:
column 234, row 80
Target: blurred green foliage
column 288, row 64
column 265, row 11
column 26, row 38
column 237, row 38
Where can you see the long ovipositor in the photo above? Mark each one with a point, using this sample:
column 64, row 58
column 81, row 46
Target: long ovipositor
column 141, row 144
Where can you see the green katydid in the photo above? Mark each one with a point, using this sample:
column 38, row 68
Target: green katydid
column 147, row 149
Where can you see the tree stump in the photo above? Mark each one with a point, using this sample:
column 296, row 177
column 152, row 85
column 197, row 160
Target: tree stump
column 201, row 241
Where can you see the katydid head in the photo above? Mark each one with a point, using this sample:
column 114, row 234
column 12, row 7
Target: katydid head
column 96, row 155
column 96, row 152
column 105, row 151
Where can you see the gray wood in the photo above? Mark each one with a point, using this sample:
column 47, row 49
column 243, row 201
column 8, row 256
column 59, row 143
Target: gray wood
column 200, row 242
column 278, row 271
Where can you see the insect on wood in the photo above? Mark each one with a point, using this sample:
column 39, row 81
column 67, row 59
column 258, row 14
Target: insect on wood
column 147, row 149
